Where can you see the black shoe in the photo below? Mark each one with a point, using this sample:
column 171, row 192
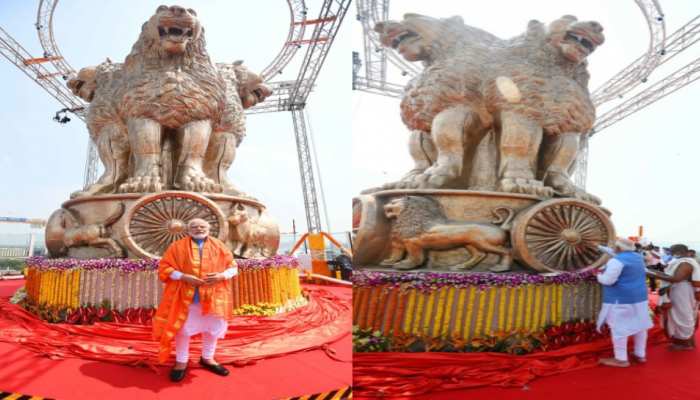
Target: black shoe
column 176, row 375
column 215, row 368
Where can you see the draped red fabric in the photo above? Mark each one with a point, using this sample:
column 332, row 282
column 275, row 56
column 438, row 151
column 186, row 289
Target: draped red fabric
column 326, row 319
column 398, row 375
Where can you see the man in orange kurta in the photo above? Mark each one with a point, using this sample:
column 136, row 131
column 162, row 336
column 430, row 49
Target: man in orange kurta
column 197, row 297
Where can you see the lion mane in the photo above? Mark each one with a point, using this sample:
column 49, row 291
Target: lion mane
column 553, row 89
column 171, row 89
column 415, row 215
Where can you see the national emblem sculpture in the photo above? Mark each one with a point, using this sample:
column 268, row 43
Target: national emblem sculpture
column 166, row 124
column 529, row 91
column 494, row 125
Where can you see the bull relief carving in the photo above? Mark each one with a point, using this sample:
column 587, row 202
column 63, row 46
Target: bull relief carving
column 252, row 237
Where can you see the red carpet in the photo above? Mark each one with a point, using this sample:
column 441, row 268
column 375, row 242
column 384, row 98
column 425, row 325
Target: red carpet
column 667, row 376
column 410, row 374
column 76, row 378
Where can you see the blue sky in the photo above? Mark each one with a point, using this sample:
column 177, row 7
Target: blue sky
column 644, row 167
column 41, row 162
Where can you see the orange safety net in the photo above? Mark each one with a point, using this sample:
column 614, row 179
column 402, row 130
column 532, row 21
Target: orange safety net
column 397, row 375
column 325, row 320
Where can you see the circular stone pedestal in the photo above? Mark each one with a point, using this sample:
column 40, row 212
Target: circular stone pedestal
column 144, row 225
column 449, row 226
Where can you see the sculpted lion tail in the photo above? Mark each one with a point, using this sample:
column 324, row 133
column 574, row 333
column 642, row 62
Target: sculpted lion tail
column 506, row 220
column 115, row 217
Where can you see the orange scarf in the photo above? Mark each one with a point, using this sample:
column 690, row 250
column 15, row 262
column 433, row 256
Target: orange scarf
column 183, row 256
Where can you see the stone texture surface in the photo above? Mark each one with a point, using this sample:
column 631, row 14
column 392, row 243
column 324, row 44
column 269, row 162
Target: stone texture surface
column 525, row 98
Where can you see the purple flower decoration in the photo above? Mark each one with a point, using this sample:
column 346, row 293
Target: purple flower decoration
column 272, row 262
column 135, row 265
column 427, row 281
column 123, row 264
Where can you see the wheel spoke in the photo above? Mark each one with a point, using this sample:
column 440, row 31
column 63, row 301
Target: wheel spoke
column 532, row 230
column 543, row 224
column 565, row 215
column 145, row 219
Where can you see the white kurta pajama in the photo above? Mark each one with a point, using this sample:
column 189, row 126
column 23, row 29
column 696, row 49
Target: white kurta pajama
column 624, row 320
column 211, row 327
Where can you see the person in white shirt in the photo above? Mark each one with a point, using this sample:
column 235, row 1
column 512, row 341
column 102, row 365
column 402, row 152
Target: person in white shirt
column 625, row 306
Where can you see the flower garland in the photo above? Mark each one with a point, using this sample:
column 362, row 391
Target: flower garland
column 274, row 261
column 135, row 265
column 428, row 281
column 60, row 288
column 122, row 264
column 518, row 342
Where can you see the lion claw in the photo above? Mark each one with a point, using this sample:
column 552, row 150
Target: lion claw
column 562, row 186
column 141, row 184
column 500, row 268
column 405, row 265
column 194, row 180
column 525, row 186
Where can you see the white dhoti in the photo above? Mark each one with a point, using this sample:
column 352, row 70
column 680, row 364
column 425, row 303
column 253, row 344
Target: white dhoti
column 680, row 320
column 211, row 327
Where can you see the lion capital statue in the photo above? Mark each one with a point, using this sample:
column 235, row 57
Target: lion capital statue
column 530, row 92
column 167, row 117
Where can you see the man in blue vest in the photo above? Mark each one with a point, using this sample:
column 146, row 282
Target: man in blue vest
column 625, row 304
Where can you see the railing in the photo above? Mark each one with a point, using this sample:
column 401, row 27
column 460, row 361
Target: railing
column 14, row 252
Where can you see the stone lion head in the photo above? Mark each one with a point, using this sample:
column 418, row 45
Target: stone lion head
column 173, row 28
column 413, row 214
column 418, row 37
column 251, row 88
column 574, row 39
column 84, row 83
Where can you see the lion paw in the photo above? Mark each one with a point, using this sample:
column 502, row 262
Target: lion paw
column 97, row 188
column 435, row 177
column 429, row 181
column 525, row 186
column 500, row 268
column 580, row 194
column 563, row 187
column 141, row 184
column 405, row 265
column 194, row 180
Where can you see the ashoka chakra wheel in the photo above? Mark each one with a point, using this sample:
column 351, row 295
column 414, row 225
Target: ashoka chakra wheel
column 561, row 235
column 157, row 220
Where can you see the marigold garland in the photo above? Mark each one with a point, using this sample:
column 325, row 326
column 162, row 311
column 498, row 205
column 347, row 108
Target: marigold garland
column 56, row 286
